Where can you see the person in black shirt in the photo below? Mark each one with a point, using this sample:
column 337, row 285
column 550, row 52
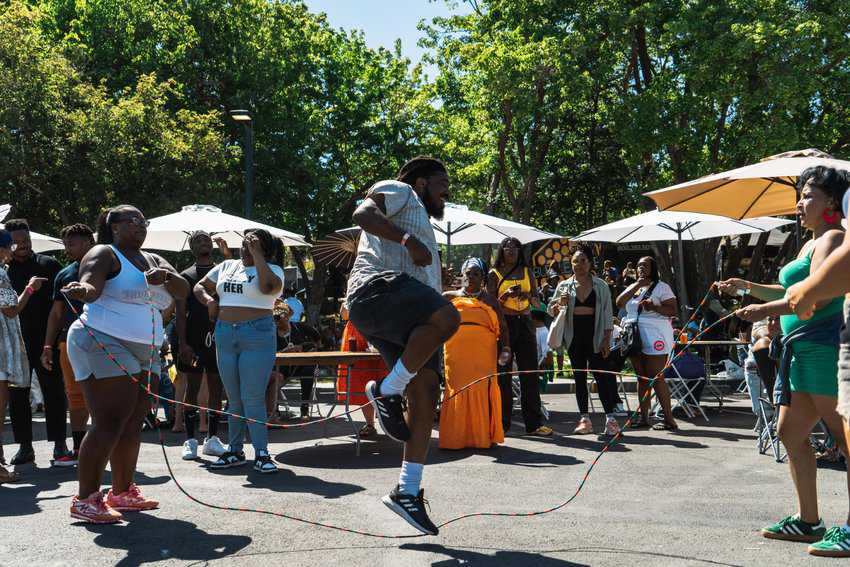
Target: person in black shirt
column 78, row 240
column 197, row 357
column 25, row 265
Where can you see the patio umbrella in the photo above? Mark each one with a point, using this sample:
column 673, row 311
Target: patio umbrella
column 40, row 242
column 459, row 226
column 672, row 225
column 338, row 249
column 171, row 232
column 761, row 189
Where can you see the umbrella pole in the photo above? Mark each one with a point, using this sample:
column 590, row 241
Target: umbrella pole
column 448, row 261
column 680, row 275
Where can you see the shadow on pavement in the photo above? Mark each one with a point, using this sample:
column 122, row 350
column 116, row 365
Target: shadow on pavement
column 148, row 539
column 381, row 454
column 468, row 557
column 288, row 481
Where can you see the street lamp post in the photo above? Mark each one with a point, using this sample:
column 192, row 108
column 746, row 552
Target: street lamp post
column 244, row 118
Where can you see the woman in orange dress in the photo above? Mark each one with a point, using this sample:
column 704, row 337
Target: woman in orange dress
column 361, row 372
column 473, row 418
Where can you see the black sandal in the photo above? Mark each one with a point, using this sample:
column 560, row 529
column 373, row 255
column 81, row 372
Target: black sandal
column 639, row 424
column 228, row 460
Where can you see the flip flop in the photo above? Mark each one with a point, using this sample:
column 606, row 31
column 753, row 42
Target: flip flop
column 664, row 426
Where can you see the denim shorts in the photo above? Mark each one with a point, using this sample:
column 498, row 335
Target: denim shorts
column 388, row 308
column 89, row 359
column 844, row 365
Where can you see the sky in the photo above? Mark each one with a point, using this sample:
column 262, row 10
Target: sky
column 384, row 21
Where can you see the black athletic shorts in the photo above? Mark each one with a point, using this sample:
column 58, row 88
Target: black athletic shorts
column 205, row 360
column 388, row 308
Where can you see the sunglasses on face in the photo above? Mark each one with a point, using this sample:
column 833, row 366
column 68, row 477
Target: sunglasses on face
column 137, row 221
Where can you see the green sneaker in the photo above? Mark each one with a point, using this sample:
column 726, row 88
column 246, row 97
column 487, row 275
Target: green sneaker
column 793, row 528
column 835, row 543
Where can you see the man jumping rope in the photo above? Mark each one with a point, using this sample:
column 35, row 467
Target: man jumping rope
column 394, row 300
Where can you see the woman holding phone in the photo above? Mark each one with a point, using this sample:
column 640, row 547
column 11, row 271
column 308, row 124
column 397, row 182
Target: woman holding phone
column 512, row 283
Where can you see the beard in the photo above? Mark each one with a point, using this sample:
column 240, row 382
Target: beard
column 434, row 210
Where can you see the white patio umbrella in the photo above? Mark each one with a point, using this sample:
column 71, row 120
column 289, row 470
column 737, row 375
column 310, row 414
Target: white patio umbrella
column 40, row 242
column 171, row 232
column 678, row 226
column 460, row 225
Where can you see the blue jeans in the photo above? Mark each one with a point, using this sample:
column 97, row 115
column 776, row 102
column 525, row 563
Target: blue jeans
column 246, row 355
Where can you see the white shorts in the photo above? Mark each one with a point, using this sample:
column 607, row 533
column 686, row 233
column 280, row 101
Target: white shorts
column 656, row 337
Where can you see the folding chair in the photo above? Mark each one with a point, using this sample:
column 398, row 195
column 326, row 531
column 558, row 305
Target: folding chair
column 682, row 391
column 766, row 429
column 313, row 403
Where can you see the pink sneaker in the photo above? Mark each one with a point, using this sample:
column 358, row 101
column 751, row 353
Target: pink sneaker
column 131, row 500
column 584, row 427
column 612, row 428
column 94, row 510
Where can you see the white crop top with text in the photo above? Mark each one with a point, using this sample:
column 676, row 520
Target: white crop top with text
column 237, row 285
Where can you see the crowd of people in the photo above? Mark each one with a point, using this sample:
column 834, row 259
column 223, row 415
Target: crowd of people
column 96, row 332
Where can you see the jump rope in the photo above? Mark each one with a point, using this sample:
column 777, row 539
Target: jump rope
column 146, row 386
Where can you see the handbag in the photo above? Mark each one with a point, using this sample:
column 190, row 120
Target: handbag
column 630, row 344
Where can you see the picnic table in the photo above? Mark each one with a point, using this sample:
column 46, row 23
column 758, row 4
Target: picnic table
column 331, row 359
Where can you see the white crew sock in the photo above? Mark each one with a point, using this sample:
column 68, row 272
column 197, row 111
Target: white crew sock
column 410, row 477
column 397, row 380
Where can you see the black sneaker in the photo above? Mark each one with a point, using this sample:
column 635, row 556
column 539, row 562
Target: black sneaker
column 23, row 457
column 412, row 509
column 390, row 410
column 228, row 460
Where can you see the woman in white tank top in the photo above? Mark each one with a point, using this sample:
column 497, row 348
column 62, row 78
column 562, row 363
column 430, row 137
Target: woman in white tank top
column 120, row 286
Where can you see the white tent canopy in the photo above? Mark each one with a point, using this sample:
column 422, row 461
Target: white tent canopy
column 171, row 232
column 672, row 225
column 40, row 242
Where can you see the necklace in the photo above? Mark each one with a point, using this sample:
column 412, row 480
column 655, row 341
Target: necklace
column 473, row 295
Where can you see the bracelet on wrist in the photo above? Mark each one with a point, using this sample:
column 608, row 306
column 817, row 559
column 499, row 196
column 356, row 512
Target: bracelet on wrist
column 29, row 290
column 47, row 347
column 405, row 238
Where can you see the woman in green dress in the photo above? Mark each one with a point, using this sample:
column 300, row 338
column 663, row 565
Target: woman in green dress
column 807, row 386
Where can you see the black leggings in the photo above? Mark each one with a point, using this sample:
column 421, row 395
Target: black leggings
column 524, row 348
column 55, row 403
column 582, row 356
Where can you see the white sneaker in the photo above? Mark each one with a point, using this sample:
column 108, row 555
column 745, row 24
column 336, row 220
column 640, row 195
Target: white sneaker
column 214, row 447
column 190, row 450
column 620, row 410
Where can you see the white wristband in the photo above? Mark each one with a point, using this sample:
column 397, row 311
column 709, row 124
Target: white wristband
column 405, row 238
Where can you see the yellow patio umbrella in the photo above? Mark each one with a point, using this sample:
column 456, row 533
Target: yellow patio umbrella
column 766, row 188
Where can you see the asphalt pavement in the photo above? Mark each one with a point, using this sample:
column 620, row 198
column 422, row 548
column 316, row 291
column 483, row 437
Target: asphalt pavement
column 696, row 497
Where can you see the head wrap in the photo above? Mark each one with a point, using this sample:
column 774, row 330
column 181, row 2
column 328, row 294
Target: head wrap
column 477, row 262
